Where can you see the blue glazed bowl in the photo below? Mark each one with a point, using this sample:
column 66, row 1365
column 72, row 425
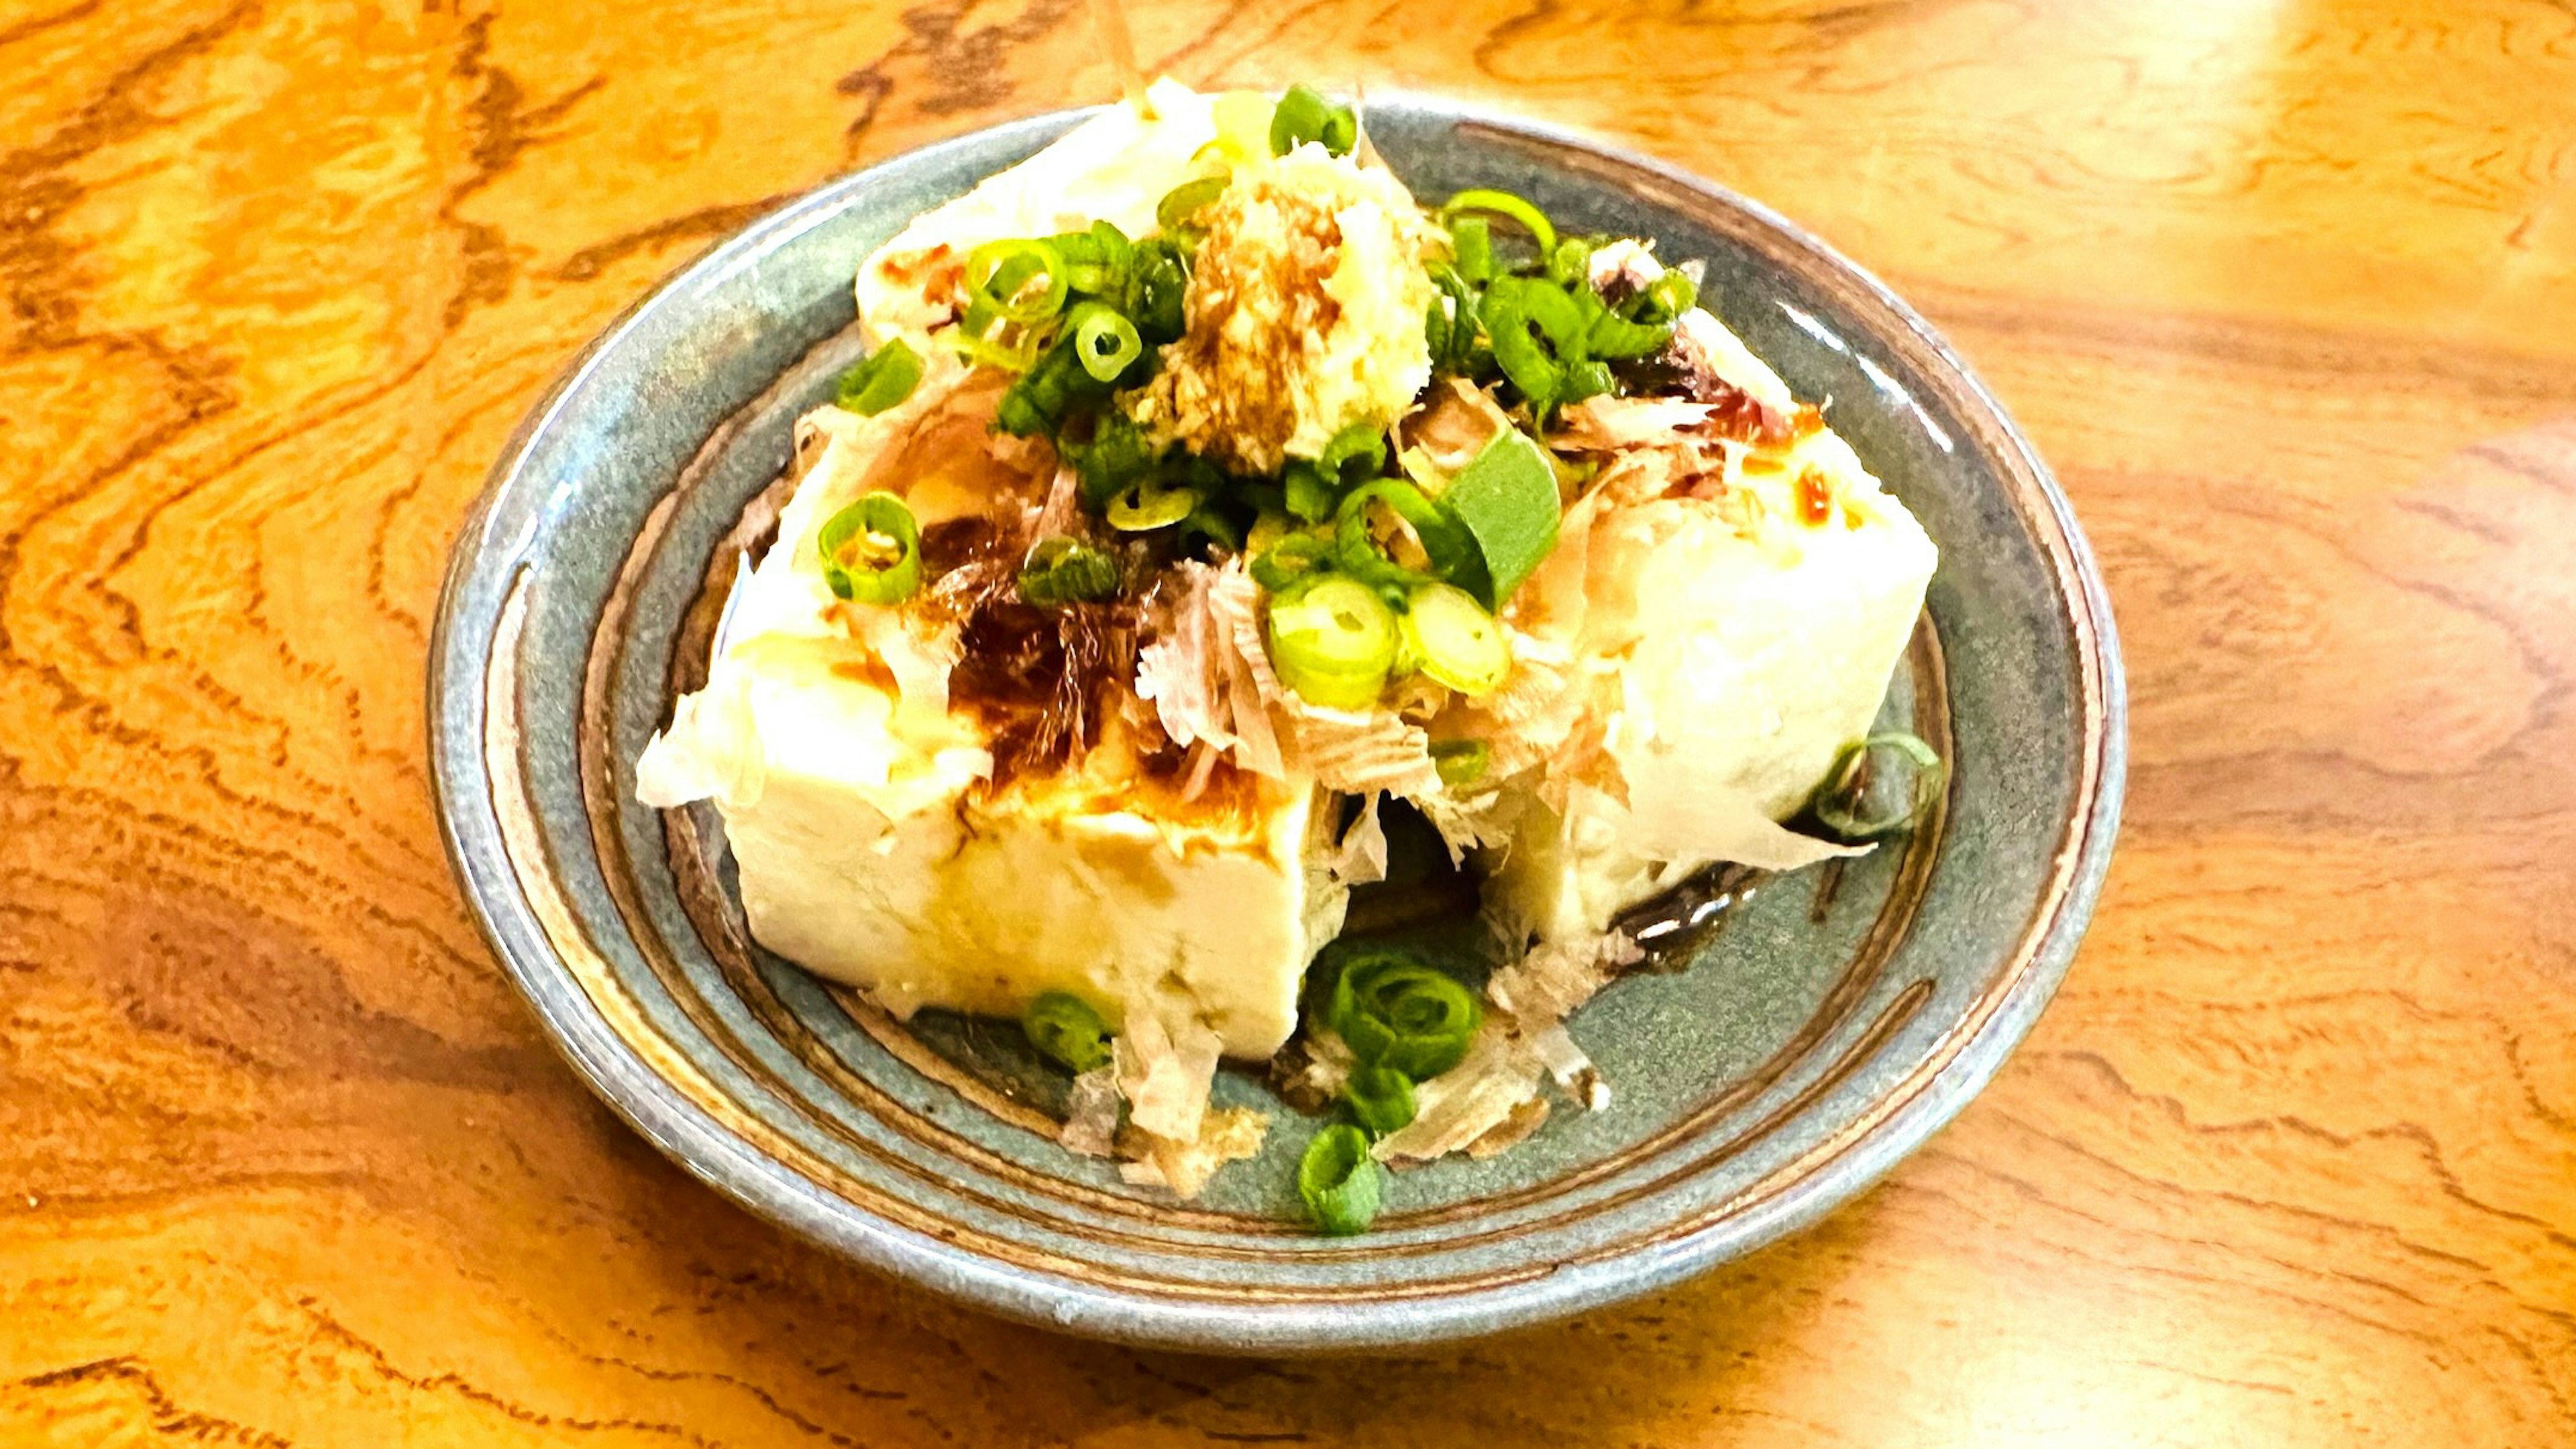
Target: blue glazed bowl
column 1808, row 1046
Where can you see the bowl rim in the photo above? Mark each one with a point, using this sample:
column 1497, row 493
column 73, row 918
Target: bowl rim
column 470, row 835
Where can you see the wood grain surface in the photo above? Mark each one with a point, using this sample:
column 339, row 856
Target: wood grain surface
column 2285, row 290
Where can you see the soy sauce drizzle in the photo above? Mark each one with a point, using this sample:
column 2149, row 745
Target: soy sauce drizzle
column 1672, row 926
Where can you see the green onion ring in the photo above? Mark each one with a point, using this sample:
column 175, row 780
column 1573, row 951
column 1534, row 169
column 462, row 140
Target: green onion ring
column 1396, row 1010
column 1333, row 640
column 880, row 380
column 1186, row 200
column 1105, row 342
column 1064, row 1028
column 987, row 263
column 1145, row 504
column 1446, row 544
column 879, row 530
column 1458, row 643
column 1339, row 1180
column 1502, row 203
column 1837, row 802
column 1381, row 1098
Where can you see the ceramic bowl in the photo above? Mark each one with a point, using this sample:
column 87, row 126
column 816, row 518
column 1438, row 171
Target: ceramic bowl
column 1809, row 1045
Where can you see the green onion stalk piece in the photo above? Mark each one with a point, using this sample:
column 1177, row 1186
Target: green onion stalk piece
column 1339, row 1180
column 1002, row 273
column 1457, row 642
column 1146, row 504
column 1461, row 762
column 872, row 551
column 1305, row 116
column 1502, row 203
column 1446, row 545
column 1064, row 570
column 1065, row 1029
column 1506, row 499
column 1381, row 1098
column 1332, row 639
column 1105, row 342
column 1396, row 1010
column 1840, row 801
column 881, row 380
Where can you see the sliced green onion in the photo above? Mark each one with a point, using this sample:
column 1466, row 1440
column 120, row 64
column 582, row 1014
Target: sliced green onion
column 1570, row 264
column 1363, row 444
column 1104, row 341
column 1471, row 238
column 1448, row 547
column 1465, row 318
column 1145, row 504
column 1000, row 272
column 1064, row 570
column 1117, row 455
column 1158, row 285
column 1040, row 400
column 1515, row 304
column 1381, row 1098
column 1458, row 643
column 1269, row 528
column 1305, row 493
column 1840, row 801
column 1612, row 335
column 1585, row 378
column 1097, row 261
column 976, row 348
column 1333, row 640
column 872, row 551
column 1670, row 295
column 1289, row 560
column 1304, row 115
column 1279, row 564
column 1064, row 1028
column 1185, row 201
column 1339, row 1180
column 1206, row 522
column 882, row 379
column 1506, row 498
column 1396, row 1010
column 1502, row 203
column 1461, row 762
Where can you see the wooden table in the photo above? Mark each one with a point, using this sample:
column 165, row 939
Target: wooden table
column 2285, row 289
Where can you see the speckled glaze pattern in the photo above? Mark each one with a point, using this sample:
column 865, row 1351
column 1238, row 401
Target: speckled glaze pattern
column 1809, row 1046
